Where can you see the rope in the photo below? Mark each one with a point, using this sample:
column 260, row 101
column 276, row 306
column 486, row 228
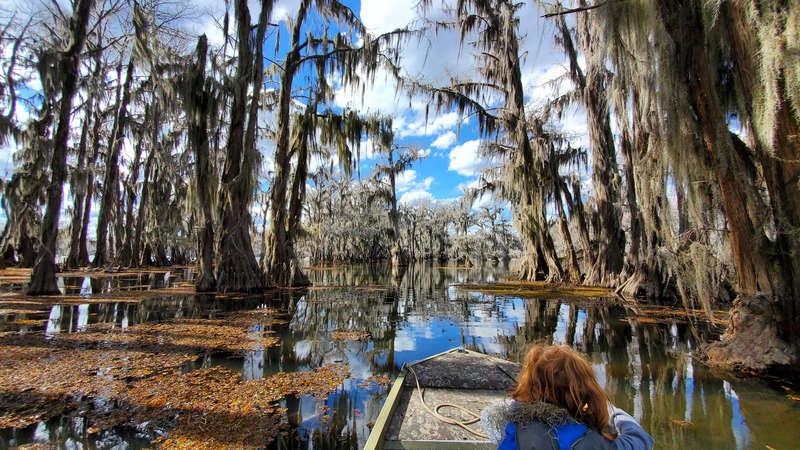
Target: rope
column 435, row 412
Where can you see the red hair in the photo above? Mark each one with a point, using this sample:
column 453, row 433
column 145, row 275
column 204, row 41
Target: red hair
column 561, row 376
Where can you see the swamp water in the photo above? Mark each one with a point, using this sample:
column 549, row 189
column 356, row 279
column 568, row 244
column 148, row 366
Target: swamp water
column 646, row 365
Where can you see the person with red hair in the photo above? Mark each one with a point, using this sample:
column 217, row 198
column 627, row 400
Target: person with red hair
column 558, row 404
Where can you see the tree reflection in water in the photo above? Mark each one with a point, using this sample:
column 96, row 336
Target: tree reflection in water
column 647, row 367
column 419, row 311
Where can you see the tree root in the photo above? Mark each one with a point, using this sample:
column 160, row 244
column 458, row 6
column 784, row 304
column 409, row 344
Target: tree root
column 751, row 344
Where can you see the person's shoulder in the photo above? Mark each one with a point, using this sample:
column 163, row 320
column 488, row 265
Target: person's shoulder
column 494, row 418
column 498, row 408
column 632, row 436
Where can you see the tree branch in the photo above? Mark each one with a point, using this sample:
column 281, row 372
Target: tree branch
column 581, row 9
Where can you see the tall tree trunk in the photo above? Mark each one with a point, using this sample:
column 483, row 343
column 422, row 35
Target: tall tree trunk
column 79, row 185
column 83, row 243
column 575, row 204
column 754, row 271
column 635, row 235
column 23, row 191
column 607, row 267
column 144, row 196
column 393, row 216
column 531, row 158
column 237, row 268
column 643, row 265
column 43, row 277
column 781, row 166
column 144, row 203
column 125, row 255
column 573, row 273
column 296, row 200
column 110, row 195
column 198, row 138
column 280, row 257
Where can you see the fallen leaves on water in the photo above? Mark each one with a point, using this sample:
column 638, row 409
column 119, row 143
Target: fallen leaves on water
column 219, row 411
column 541, row 290
column 682, row 423
column 40, row 379
column 344, row 335
column 132, row 376
column 46, row 446
column 206, row 408
column 235, row 333
column 381, row 381
column 668, row 314
column 791, row 394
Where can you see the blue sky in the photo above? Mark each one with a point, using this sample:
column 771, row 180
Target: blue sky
column 451, row 142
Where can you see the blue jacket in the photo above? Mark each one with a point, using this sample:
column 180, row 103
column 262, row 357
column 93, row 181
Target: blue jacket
column 542, row 426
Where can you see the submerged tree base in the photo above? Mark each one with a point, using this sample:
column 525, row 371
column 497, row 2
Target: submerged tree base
column 751, row 345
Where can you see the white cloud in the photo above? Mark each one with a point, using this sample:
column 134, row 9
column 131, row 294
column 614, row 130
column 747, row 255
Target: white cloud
column 413, row 196
column 434, row 125
column 412, row 188
column 285, row 8
column 407, row 181
column 384, row 16
column 472, row 184
column 444, row 141
column 212, row 30
column 465, row 159
column 7, row 165
column 574, row 126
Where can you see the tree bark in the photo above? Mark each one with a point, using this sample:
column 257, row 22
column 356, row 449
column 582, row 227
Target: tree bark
column 573, row 273
column 754, row 272
column 198, row 138
column 83, row 244
column 576, row 206
column 110, row 197
column 144, row 202
column 237, row 268
column 79, row 185
column 43, row 277
column 296, row 200
column 125, row 255
column 781, row 166
column 279, row 261
column 635, row 235
column 608, row 265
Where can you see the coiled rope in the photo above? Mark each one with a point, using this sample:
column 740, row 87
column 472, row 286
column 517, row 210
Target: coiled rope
column 435, row 411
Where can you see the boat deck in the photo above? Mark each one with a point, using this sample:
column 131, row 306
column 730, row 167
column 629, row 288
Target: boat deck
column 468, row 379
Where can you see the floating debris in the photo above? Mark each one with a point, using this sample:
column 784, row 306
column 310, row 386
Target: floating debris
column 344, row 335
column 668, row 314
column 135, row 377
column 541, row 290
column 682, row 423
column 382, row 381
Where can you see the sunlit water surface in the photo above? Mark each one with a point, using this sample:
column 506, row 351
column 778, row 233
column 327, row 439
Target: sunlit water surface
column 648, row 368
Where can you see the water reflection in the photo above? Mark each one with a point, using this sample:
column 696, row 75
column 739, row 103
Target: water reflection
column 413, row 313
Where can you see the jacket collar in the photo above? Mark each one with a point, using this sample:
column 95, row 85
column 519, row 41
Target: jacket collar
column 552, row 415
